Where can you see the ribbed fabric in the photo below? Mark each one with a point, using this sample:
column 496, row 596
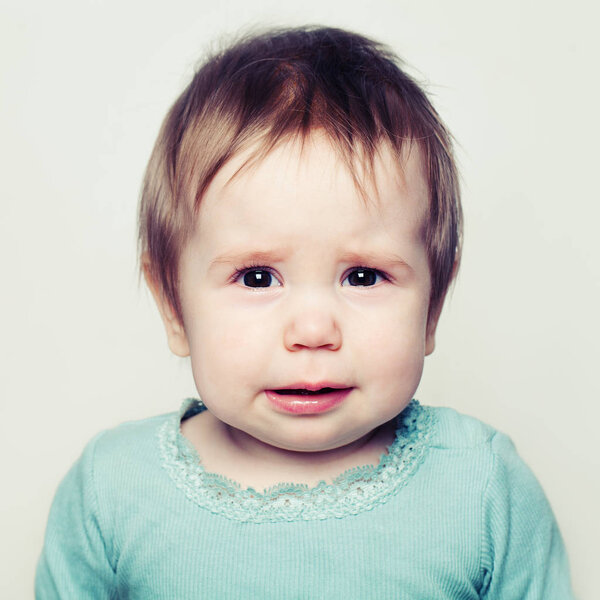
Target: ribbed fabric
column 471, row 522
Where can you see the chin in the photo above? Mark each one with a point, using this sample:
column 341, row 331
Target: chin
column 313, row 441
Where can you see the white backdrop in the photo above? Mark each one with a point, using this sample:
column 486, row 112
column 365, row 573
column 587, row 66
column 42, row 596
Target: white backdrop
column 84, row 86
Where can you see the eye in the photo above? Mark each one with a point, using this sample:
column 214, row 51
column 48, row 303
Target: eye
column 363, row 276
column 257, row 277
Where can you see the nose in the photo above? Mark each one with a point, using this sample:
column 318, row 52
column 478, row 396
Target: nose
column 312, row 327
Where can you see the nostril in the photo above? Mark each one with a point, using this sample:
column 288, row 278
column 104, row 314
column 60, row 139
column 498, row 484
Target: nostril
column 313, row 332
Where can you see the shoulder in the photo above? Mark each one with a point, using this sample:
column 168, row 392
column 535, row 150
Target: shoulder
column 117, row 470
column 462, row 443
column 128, row 437
column 123, row 457
column 522, row 553
column 100, row 494
column 468, row 436
column 458, row 438
column 454, row 430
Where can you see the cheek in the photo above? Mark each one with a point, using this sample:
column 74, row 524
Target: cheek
column 394, row 347
column 394, row 329
column 226, row 350
column 400, row 364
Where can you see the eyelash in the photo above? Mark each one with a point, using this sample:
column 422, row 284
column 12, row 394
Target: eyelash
column 241, row 271
column 377, row 272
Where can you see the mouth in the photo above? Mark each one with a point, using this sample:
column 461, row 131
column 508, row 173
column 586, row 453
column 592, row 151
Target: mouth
column 307, row 399
column 306, row 392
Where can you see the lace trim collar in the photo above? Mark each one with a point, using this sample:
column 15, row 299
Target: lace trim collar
column 355, row 491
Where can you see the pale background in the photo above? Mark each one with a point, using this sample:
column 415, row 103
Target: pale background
column 84, row 86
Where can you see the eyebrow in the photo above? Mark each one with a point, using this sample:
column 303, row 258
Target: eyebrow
column 259, row 257
column 374, row 259
column 255, row 257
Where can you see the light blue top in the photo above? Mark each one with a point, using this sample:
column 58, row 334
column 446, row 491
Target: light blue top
column 450, row 512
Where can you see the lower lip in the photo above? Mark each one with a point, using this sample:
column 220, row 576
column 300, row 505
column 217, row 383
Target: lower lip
column 307, row 405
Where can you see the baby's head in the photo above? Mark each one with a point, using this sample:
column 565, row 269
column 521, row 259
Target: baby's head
column 299, row 227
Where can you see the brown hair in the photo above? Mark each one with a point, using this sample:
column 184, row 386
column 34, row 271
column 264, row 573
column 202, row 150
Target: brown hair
column 283, row 83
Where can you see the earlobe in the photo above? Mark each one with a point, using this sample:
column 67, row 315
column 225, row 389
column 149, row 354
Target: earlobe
column 432, row 322
column 176, row 336
column 430, row 334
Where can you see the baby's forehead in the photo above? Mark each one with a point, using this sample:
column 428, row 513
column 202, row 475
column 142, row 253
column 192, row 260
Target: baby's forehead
column 311, row 176
column 314, row 155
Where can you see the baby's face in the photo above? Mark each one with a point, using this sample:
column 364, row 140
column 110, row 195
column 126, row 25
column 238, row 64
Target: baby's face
column 305, row 307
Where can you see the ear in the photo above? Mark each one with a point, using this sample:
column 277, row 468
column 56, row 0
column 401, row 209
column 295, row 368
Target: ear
column 432, row 321
column 176, row 337
column 434, row 317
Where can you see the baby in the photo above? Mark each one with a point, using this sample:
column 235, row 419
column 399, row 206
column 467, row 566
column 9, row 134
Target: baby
column 300, row 224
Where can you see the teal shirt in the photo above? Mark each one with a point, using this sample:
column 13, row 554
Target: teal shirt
column 450, row 512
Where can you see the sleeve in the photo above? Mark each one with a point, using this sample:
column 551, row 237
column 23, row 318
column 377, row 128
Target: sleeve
column 75, row 560
column 523, row 553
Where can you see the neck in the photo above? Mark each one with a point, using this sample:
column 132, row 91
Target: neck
column 253, row 463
